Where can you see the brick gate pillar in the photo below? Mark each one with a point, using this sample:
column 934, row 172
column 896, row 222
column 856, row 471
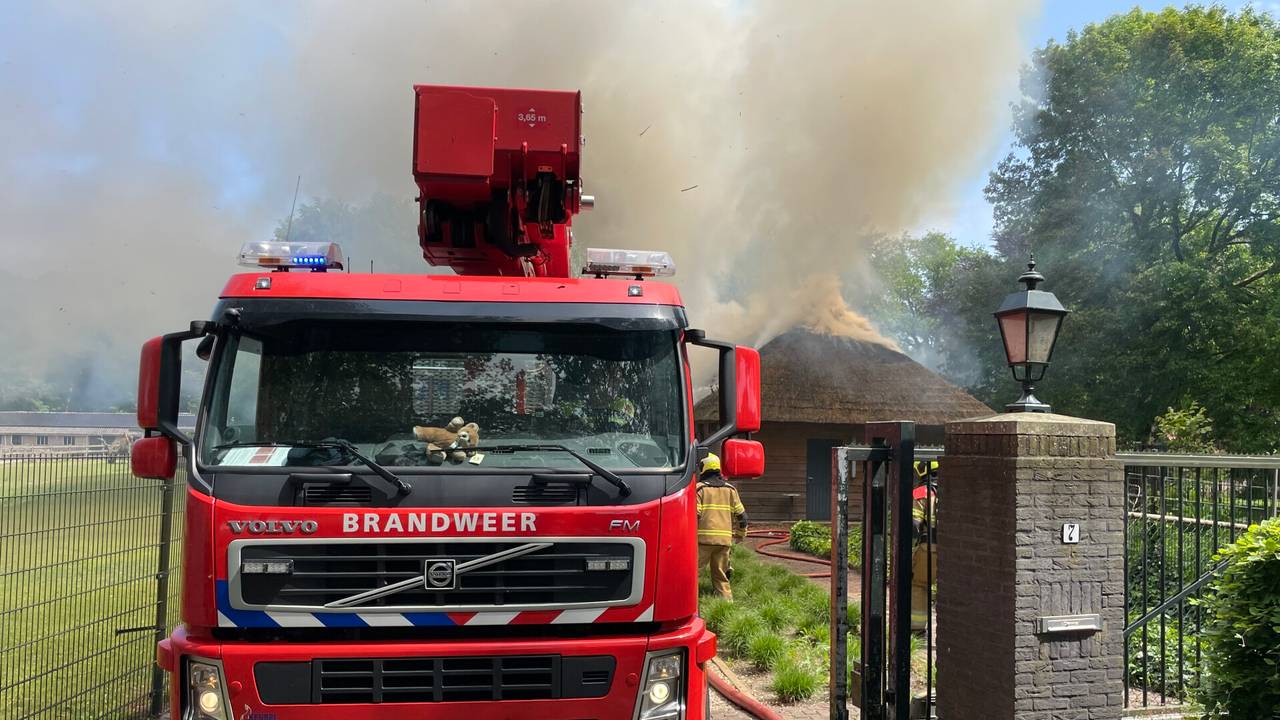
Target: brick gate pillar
column 1030, row 558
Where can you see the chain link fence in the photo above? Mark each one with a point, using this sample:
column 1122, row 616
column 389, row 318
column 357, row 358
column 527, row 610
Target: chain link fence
column 88, row 584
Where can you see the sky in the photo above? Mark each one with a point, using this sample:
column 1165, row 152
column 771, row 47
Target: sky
column 967, row 216
column 142, row 142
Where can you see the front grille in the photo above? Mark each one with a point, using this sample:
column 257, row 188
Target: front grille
column 344, row 681
column 555, row 576
column 437, row 680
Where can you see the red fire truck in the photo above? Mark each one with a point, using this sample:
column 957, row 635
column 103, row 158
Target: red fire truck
column 447, row 496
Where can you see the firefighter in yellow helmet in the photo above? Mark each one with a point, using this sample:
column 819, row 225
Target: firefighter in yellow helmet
column 924, row 554
column 721, row 520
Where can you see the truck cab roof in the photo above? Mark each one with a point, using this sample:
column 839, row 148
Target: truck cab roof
column 449, row 288
column 269, row 298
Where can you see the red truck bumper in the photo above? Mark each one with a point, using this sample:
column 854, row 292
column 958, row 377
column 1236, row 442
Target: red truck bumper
column 238, row 660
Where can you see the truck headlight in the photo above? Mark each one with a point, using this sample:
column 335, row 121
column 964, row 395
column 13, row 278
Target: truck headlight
column 206, row 698
column 662, row 693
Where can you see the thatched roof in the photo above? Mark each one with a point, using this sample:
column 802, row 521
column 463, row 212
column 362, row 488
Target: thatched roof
column 814, row 378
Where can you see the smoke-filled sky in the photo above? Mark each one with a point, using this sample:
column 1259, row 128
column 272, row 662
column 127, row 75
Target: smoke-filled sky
column 142, row 143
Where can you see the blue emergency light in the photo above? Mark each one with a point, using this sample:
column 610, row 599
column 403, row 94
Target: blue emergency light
column 284, row 256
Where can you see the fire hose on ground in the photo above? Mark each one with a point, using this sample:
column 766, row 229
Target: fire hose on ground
column 778, row 537
column 717, row 678
column 730, row 692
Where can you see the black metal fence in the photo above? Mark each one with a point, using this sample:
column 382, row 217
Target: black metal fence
column 88, row 584
column 1180, row 510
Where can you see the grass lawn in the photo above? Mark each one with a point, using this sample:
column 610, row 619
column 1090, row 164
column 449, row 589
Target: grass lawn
column 79, row 552
column 779, row 622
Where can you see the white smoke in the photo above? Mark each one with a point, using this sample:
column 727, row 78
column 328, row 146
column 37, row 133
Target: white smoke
column 145, row 142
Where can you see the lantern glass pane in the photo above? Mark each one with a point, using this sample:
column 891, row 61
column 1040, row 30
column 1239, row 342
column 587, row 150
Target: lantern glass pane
column 1014, row 329
column 1044, row 328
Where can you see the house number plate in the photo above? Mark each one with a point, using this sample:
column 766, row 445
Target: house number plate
column 1070, row 533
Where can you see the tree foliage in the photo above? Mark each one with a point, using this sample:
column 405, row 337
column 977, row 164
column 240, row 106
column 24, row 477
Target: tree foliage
column 1187, row 430
column 1147, row 182
column 927, row 275
column 1144, row 178
column 32, row 395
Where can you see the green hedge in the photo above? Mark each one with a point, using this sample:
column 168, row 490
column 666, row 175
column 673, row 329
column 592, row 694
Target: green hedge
column 1242, row 638
column 814, row 538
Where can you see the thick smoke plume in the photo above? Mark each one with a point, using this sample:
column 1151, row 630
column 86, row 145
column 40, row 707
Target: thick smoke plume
column 764, row 315
column 763, row 143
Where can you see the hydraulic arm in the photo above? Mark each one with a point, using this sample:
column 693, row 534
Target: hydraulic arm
column 498, row 176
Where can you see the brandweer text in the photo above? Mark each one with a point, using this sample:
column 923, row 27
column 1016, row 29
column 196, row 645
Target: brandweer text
column 439, row 522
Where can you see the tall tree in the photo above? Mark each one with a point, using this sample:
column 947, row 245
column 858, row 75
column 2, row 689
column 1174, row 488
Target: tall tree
column 1145, row 180
column 932, row 287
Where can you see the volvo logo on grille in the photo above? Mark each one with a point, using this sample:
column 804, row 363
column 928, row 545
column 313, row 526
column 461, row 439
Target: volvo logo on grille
column 440, row 574
column 273, row 527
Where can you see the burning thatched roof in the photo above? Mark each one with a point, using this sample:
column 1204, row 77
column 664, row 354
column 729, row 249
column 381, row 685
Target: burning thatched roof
column 814, row 378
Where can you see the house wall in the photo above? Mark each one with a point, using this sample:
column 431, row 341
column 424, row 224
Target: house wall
column 779, row 495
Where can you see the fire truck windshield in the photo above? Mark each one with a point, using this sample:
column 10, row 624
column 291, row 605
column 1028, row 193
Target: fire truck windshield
column 434, row 395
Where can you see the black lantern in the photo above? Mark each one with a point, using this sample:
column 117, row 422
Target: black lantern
column 1029, row 323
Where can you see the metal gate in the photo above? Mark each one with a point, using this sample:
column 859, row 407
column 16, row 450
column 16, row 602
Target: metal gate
column 881, row 683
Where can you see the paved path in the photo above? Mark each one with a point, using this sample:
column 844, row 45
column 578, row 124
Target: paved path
column 800, row 567
column 722, row 709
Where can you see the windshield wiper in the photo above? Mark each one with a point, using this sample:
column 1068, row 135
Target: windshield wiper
column 402, row 487
column 609, row 476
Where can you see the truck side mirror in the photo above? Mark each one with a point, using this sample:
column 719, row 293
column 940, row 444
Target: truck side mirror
column 160, row 379
column 154, row 457
column 747, row 379
column 742, row 459
column 739, row 387
column 150, row 404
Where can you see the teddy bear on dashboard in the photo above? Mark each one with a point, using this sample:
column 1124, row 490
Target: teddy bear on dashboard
column 454, row 440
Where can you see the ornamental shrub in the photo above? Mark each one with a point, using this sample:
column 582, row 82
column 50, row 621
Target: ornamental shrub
column 814, row 538
column 1242, row 638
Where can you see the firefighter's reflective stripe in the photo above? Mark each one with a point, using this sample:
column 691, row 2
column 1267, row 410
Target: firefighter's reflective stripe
column 720, row 512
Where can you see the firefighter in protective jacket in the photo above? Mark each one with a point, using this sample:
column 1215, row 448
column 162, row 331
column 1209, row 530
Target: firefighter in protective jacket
column 924, row 555
column 721, row 520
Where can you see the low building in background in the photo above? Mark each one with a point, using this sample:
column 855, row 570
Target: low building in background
column 55, row 433
column 818, row 391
